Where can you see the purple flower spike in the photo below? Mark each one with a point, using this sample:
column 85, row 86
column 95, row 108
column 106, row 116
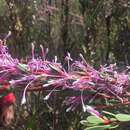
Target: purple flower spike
column 68, row 59
column 92, row 111
column 43, row 52
column 80, row 76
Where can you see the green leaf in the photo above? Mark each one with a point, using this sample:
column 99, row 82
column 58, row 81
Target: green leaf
column 22, row 67
column 102, row 127
column 128, row 77
column 94, row 120
column 109, row 113
column 123, row 117
column 113, row 127
column 32, row 123
column 84, row 122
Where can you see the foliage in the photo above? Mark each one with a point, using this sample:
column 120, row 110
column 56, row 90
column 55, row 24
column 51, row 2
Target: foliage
column 109, row 121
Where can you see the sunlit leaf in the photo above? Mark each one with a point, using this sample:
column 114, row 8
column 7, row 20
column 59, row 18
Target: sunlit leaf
column 123, row 117
column 94, row 120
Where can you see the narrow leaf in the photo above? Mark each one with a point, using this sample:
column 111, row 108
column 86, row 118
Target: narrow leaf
column 109, row 113
column 103, row 127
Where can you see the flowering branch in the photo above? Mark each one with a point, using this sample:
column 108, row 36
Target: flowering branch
column 38, row 74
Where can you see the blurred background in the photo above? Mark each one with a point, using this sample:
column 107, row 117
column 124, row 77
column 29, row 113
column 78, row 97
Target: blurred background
column 99, row 29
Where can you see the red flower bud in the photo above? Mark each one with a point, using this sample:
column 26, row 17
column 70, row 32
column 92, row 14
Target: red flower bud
column 106, row 122
column 9, row 99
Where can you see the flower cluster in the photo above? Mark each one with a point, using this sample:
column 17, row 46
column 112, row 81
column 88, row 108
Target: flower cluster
column 78, row 76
